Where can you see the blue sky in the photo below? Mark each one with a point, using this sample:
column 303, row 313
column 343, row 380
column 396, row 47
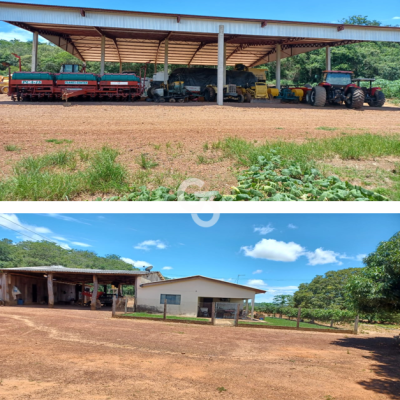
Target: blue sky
column 275, row 252
column 387, row 11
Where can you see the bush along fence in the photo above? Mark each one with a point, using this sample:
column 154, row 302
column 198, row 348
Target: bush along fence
column 120, row 310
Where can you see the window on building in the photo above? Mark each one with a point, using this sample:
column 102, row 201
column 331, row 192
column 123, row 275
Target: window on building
column 171, row 299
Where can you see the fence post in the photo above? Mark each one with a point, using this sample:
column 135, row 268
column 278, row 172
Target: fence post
column 165, row 309
column 356, row 324
column 298, row 318
column 114, row 305
column 213, row 313
column 237, row 315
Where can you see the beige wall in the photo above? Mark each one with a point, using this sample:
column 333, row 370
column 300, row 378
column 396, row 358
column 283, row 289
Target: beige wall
column 148, row 297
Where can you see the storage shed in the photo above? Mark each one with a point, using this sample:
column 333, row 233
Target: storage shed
column 193, row 296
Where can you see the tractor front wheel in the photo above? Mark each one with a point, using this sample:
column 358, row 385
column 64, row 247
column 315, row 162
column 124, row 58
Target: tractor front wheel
column 378, row 100
column 355, row 99
column 317, row 96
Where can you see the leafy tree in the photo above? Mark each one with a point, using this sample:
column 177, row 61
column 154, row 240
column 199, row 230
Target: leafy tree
column 376, row 288
column 44, row 253
column 360, row 20
column 325, row 291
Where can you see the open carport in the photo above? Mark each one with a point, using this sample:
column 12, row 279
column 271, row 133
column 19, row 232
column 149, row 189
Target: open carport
column 60, row 285
column 128, row 36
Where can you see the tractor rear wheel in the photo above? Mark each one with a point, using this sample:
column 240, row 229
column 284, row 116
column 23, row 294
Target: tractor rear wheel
column 378, row 100
column 150, row 92
column 356, row 98
column 318, row 96
column 240, row 98
column 209, row 94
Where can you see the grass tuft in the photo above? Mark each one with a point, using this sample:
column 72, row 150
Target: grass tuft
column 59, row 141
column 146, row 162
column 11, row 147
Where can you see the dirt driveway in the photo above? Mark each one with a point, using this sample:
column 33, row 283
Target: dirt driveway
column 75, row 353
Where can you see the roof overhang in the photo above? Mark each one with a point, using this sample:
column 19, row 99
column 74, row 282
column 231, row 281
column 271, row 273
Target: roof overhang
column 77, row 275
column 139, row 37
column 168, row 281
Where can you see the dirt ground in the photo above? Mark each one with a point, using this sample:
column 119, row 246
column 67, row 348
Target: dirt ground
column 174, row 134
column 77, row 353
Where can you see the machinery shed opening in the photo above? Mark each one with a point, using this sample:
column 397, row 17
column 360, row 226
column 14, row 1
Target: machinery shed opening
column 93, row 34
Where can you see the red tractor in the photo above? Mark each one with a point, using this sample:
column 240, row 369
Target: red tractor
column 373, row 95
column 337, row 87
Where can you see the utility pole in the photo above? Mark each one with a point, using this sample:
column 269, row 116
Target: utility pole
column 237, row 281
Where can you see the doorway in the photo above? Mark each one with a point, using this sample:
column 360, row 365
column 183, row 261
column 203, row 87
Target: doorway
column 34, row 293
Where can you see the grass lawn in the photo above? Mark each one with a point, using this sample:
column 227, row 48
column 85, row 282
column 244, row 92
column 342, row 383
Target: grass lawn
column 146, row 315
column 285, row 322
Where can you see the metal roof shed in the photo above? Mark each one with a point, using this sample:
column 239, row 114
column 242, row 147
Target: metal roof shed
column 93, row 34
column 59, row 275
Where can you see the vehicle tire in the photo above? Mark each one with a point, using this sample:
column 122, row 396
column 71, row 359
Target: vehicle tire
column 209, row 94
column 172, row 100
column 318, row 96
column 181, row 100
column 378, row 100
column 161, row 100
column 356, row 99
column 150, row 92
column 156, row 98
column 247, row 98
column 240, row 98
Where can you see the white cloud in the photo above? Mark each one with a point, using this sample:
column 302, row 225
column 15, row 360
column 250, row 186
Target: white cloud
column 17, row 33
column 258, row 271
column 60, row 238
column 291, row 226
column 64, row 246
column 81, row 244
column 360, row 257
column 271, row 249
column 27, row 232
column 137, row 264
column 264, row 230
column 256, row 282
column 273, row 291
column 66, row 218
column 321, row 256
column 167, row 268
column 150, row 243
column 396, row 17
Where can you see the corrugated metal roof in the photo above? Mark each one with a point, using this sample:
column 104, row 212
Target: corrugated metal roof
column 256, row 290
column 61, row 270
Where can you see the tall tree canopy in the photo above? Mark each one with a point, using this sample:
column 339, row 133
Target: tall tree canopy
column 376, row 288
column 44, row 253
column 325, row 291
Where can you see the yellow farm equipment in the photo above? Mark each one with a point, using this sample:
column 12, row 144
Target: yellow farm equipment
column 3, row 84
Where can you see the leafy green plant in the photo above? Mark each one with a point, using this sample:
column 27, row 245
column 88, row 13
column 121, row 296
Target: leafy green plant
column 146, row 162
column 221, row 389
column 11, row 147
column 59, row 141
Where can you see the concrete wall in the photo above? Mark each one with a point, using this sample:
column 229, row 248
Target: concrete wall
column 148, row 297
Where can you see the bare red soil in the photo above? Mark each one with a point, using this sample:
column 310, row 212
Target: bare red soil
column 70, row 353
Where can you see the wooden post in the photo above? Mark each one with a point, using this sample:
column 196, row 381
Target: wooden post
column 356, row 325
column 94, row 293
column 298, row 318
column 50, row 290
column 213, row 313
column 165, row 309
column 252, row 306
column 114, row 305
column 237, row 314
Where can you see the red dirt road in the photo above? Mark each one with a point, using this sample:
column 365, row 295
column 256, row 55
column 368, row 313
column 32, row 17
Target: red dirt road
column 76, row 353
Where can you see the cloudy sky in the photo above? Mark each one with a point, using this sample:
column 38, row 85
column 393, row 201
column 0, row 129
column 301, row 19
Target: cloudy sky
column 274, row 252
column 387, row 12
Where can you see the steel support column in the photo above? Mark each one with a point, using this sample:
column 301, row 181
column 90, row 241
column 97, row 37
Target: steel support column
column 224, row 63
column 220, row 81
column 103, row 55
column 50, row 290
column 35, row 42
column 278, row 66
column 166, row 61
column 252, row 307
column 328, row 58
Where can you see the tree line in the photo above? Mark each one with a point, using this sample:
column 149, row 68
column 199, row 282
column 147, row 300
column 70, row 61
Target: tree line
column 372, row 292
column 45, row 253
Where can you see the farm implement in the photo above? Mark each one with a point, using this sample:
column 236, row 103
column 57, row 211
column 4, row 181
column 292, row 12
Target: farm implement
column 69, row 83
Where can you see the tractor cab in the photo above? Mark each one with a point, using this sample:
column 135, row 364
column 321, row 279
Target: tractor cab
column 337, row 78
column 70, row 68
